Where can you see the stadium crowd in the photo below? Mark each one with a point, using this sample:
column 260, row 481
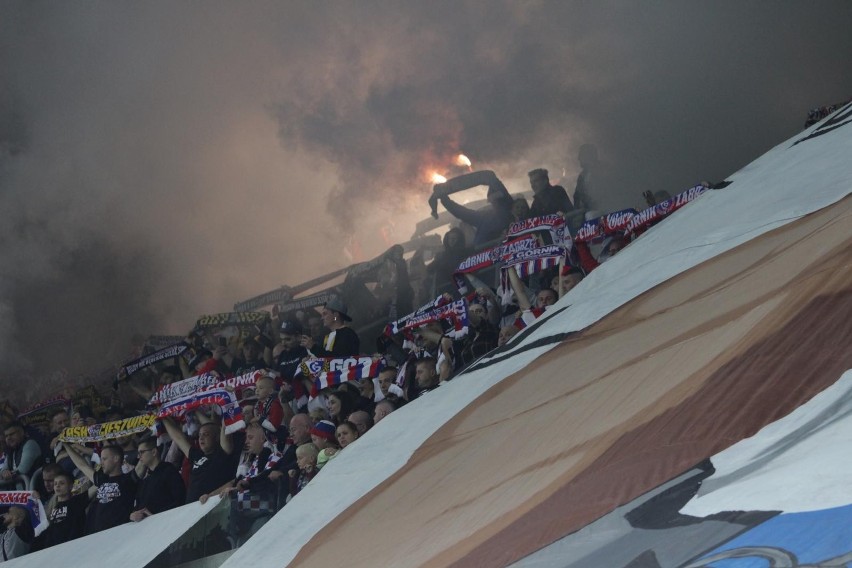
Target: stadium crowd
column 273, row 422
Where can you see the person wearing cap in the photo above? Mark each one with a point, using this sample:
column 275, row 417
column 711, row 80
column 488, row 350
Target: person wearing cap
column 323, row 434
column 342, row 341
column 288, row 354
column 548, row 198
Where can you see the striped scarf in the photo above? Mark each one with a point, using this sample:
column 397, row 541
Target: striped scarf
column 224, row 399
column 248, row 500
column 331, row 371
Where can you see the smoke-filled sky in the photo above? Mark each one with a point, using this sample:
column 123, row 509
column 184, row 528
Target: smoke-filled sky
column 159, row 160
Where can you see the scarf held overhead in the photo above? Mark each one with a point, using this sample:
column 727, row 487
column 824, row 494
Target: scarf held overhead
column 396, row 326
column 107, row 430
column 455, row 313
column 239, row 319
column 224, row 399
column 652, row 215
column 318, row 299
column 152, row 358
column 330, row 371
column 547, row 243
column 203, row 382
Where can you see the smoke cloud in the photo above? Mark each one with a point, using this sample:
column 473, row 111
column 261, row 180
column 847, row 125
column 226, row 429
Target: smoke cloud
column 159, row 160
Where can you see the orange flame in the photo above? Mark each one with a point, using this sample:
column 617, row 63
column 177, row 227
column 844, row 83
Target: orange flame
column 463, row 160
column 438, row 178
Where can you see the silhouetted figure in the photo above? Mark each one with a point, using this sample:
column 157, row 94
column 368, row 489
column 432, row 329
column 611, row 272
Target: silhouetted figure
column 548, row 199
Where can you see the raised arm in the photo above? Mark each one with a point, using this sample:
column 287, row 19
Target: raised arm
column 469, row 216
column 81, row 462
column 520, row 289
column 177, row 436
column 225, row 439
column 495, row 308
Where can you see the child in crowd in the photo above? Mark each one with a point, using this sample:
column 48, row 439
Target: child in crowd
column 268, row 411
column 323, row 434
column 306, row 460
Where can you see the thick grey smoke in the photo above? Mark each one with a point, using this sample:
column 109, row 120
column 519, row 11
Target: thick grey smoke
column 162, row 160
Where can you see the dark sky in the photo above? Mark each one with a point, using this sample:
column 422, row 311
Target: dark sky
column 160, row 160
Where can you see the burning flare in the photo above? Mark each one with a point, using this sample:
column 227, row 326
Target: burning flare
column 438, row 178
column 463, row 160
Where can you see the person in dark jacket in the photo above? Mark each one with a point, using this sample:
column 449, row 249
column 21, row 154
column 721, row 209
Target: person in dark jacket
column 160, row 488
column 66, row 513
column 342, row 341
column 446, row 261
column 23, row 455
column 548, row 199
column 491, row 220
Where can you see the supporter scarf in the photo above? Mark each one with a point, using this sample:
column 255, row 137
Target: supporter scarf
column 526, row 240
column 478, row 261
column 248, row 500
column 541, row 243
column 107, row 430
column 817, row 114
column 609, row 224
column 618, row 221
column 280, row 295
column 395, row 327
column 204, row 382
column 243, row 319
column 552, row 224
column 534, row 261
column 34, row 508
column 330, row 371
column 455, row 313
column 146, row 361
column 487, row 258
column 647, row 218
column 180, row 389
column 224, row 399
column 40, row 412
column 312, row 301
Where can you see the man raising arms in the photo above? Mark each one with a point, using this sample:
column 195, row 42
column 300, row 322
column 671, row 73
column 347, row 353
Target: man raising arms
column 212, row 461
column 116, row 490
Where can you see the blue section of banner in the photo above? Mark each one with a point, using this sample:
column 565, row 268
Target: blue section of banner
column 812, row 538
